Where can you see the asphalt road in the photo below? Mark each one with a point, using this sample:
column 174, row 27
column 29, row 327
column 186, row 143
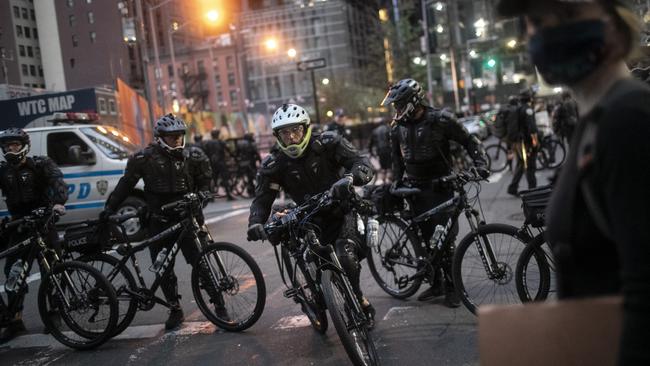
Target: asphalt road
column 408, row 332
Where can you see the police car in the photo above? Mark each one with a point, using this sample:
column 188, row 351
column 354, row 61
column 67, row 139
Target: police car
column 92, row 159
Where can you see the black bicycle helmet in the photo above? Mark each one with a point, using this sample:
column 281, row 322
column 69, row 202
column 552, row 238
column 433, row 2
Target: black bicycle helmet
column 405, row 95
column 169, row 125
column 12, row 135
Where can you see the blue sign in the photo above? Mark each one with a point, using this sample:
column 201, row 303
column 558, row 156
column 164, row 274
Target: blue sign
column 20, row 112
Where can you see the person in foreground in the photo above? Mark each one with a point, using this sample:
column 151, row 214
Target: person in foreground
column 598, row 216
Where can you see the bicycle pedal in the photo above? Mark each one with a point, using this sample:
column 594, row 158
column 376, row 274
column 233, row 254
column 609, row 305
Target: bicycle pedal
column 290, row 293
column 402, row 282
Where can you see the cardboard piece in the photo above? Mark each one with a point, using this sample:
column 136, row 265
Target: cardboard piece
column 560, row 333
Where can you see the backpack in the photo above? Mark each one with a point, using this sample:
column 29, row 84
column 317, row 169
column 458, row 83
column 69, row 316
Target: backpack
column 500, row 123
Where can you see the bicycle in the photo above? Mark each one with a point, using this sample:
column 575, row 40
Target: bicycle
column 406, row 260
column 497, row 155
column 317, row 281
column 536, row 267
column 74, row 292
column 227, row 274
column 551, row 152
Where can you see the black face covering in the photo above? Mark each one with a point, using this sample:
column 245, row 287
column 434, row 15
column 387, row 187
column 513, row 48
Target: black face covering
column 568, row 53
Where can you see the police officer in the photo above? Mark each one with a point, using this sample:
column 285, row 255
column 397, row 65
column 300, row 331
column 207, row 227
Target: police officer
column 27, row 183
column 338, row 125
column 198, row 141
column 420, row 138
column 215, row 149
column 169, row 171
column 379, row 146
column 248, row 156
column 565, row 117
column 524, row 142
column 304, row 164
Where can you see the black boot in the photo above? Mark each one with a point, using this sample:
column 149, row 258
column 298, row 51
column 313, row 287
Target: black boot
column 435, row 290
column 451, row 297
column 370, row 312
column 175, row 318
column 15, row 328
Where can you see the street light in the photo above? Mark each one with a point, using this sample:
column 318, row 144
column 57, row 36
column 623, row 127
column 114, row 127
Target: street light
column 326, row 81
column 271, row 44
column 473, row 54
column 212, row 16
column 292, row 53
column 512, row 43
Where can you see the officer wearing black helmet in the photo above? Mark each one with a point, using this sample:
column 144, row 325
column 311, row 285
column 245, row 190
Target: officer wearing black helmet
column 169, row 171
column 420, row 138
column 304, row 164
column 248, row 156
column 522, row 136
column 27, row 183
column 215, row 149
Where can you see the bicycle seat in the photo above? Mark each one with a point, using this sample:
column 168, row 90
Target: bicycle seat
column 405, row 191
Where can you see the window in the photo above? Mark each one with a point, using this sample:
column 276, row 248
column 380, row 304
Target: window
column 37, row 52
column 111, row 107
column 70, row 3
column 59, row 145
column 229, row 62
column 19, row 31
column 28, row 32
column 30, row 51
column 32, row 14
column 32, row 70
column 231, row 79
column 24, row 69
column 72, row 20
column 21, row 50
column 72, row 62
column 200, row 66
column 25, row 13
column 91, row 17
column 217, row 80
column 185, row 68
column 35, row 31
column 40, row 70
column 170, row 70
column 102, row 105
column 16, row 12
column 75, row 40
column 115, row 147
column 93, row 36
column 233, row 97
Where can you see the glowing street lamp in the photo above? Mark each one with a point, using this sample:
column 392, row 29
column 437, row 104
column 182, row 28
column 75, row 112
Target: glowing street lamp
column 325, row 81
column 473, row 54
column 512, row 43
column 330, row 114
column 292, row 52
column 212, row 16
column 271, row 44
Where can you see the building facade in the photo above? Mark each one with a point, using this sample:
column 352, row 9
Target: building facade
column 346, row 34
column 20, row 52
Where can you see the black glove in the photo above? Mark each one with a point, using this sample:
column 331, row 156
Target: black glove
column 362, row 174
column 256, row 232
column 342, row 188
column 482, row 171
column 104, row 215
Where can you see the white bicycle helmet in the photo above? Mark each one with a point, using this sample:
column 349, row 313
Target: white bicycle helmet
column 288, row 115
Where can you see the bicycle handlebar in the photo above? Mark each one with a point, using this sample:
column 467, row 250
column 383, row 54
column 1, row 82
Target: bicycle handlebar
column 187, row 200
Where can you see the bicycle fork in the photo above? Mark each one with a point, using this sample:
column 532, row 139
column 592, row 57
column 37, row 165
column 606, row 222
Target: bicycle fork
column 489, row 260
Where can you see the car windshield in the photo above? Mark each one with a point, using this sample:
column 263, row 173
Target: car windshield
column 110, row 141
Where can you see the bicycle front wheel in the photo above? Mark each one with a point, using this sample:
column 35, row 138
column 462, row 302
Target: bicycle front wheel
column 228, row 286
column 484, row 263
column 350, row 323
column 78, row 305
column 497, row 157
column 535, row 271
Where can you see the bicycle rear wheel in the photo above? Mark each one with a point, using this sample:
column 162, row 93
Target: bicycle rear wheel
column 228, row 286
column 85, row 302
column 394, row 261
column 349, row 322
column 496, row 245
column 308, row 296
column 121, row 280
column 497, row 157
column 535, row 271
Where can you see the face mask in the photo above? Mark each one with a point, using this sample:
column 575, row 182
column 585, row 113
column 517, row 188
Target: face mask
column 568, row 53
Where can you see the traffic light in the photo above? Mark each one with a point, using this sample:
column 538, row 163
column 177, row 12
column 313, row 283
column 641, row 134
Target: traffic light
column 491, row 62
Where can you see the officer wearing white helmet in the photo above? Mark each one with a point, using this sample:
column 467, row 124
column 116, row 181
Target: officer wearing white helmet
column 304, row 164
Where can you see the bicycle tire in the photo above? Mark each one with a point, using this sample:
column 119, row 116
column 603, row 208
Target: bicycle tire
column 310, row 306
column 533, row 251
column 556, row 146
column 332, row 283
column 101, row 294
column 234, row 286
column 128, row 306
column 506, row 265
column 377, row 258
column 497, row 157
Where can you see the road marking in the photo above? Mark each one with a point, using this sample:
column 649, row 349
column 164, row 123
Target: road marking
column 133, row 332
column 225, row 216
column 30, row 279
column 397, row 310
column 496, row 177
column 290, row 322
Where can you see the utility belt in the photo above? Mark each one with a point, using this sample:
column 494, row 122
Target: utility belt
column 425, row 175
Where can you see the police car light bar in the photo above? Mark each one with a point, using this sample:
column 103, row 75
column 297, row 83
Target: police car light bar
column 71, row 117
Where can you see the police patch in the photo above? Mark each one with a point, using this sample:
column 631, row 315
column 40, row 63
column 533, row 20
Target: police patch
column 102, row 187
